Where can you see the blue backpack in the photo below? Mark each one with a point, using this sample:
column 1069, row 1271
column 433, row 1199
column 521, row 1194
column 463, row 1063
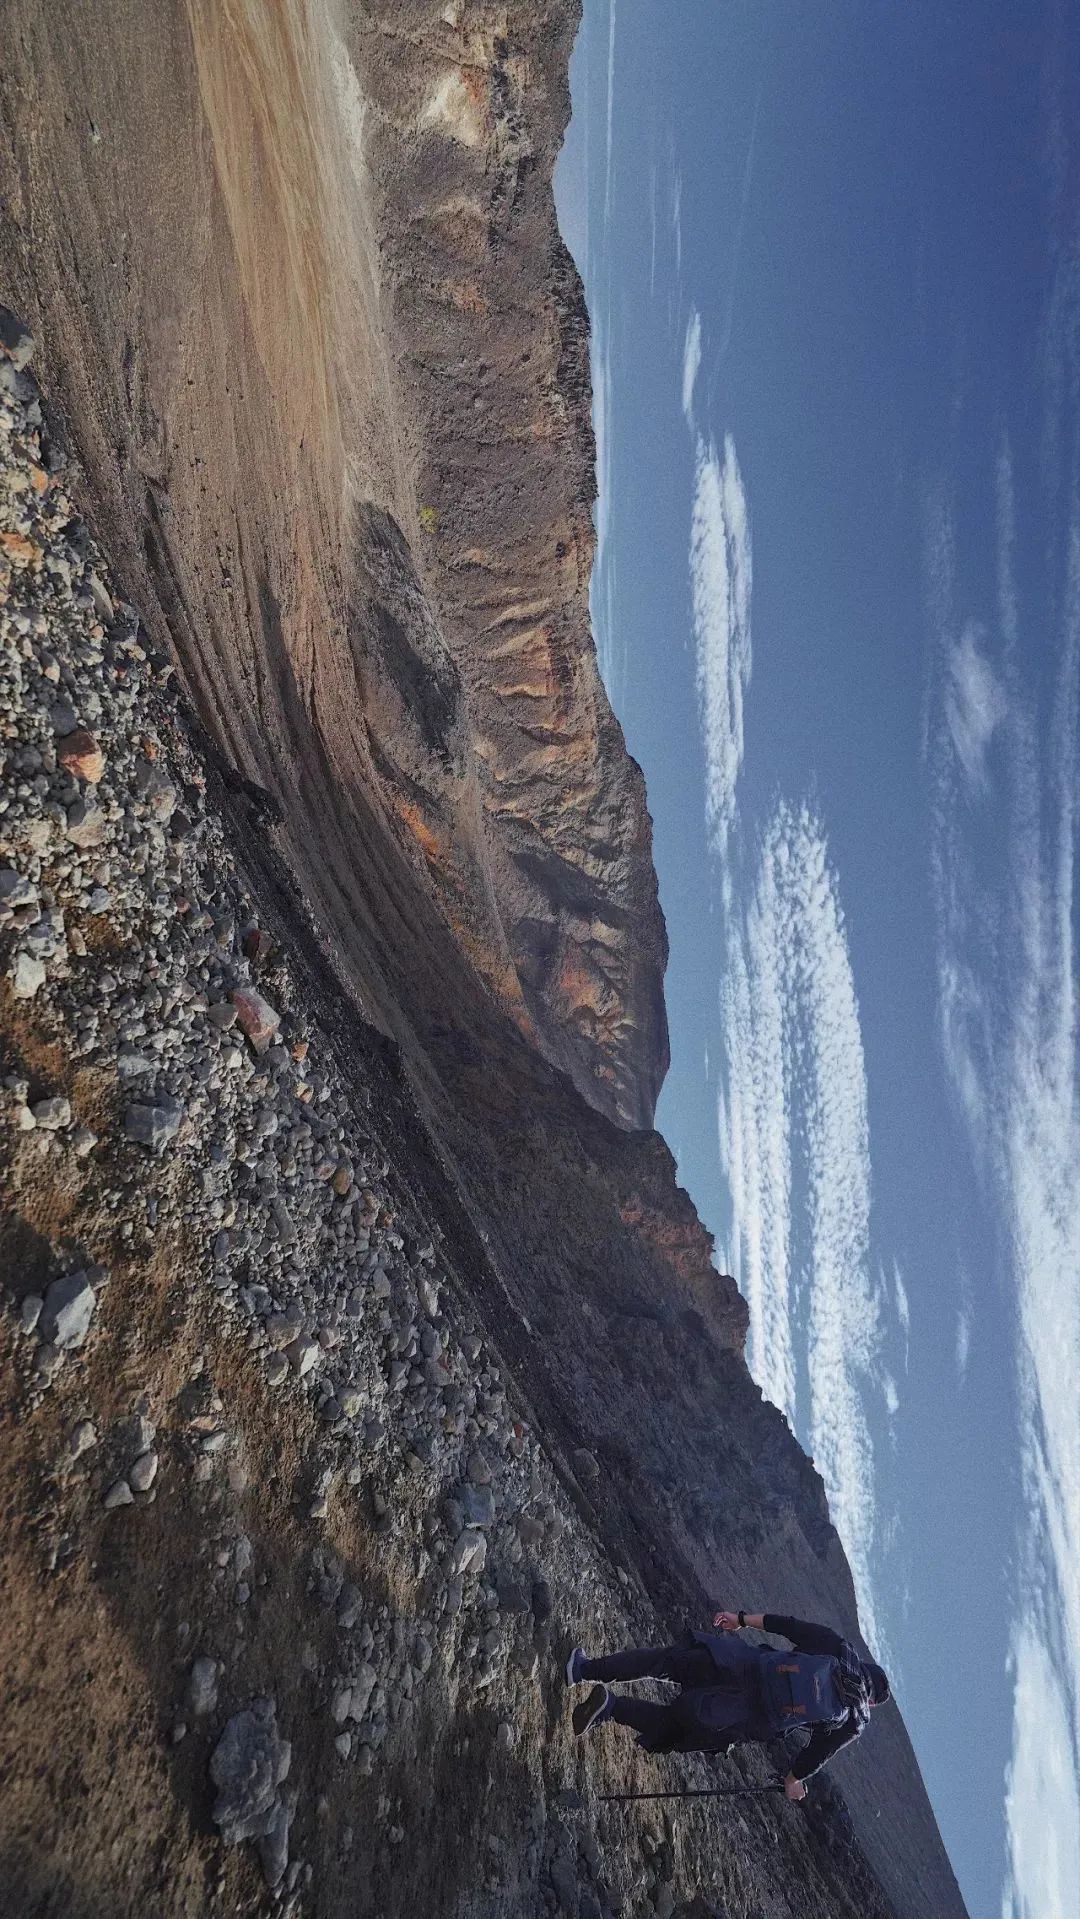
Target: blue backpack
column 803, row 1689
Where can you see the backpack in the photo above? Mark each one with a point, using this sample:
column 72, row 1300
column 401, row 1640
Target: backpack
column 804, row 1689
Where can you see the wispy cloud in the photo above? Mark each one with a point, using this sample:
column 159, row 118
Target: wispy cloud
column 963, row 1341
column 975, row 704
column 793, row 1124
column 1007, row 1008
column 744, row 205
column 1041, row 1802
column 602, row 585
column 903, row 1309
column 691, row 364
column 721, row 577
column 609, row 167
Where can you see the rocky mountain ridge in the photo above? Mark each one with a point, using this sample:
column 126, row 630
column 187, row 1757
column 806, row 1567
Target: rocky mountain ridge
column 288, row 1569
column 347, row 820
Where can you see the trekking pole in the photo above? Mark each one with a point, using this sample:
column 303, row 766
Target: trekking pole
column 697, row 1792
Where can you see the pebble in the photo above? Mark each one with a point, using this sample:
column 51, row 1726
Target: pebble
column 302, row 1355
column 479, row 1468
column 86, row 824
column 51, row 1114
column 119, row 1494
column 154, row 1126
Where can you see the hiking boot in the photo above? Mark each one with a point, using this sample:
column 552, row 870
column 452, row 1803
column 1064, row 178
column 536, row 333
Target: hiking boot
column 591, row 1712
column 573, row 1676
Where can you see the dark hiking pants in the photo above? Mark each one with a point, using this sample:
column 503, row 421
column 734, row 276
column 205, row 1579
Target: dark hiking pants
column 709, row 1714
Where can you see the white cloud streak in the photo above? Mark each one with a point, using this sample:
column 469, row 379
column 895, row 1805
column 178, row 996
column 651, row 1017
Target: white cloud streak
column 653, row 185
column 1007, row 1008
column 963, row 1342
column 609, row 169
column 975, row 705
column 903, row 1309
column 691, row 364
column 744, row 204
column 602, row 584
column 793, row 1128
column 721, row 578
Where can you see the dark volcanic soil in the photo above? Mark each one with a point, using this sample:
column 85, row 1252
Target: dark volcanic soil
column 307, row 328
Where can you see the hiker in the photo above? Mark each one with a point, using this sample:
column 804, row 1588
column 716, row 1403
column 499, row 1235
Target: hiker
column 731, row 1691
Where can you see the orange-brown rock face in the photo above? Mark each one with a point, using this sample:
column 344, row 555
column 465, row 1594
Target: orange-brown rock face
column 334, row 417
column 490, row 319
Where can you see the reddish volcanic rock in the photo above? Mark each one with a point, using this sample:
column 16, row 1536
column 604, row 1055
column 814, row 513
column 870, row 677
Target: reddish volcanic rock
column 256, row 1017
column 80, row 753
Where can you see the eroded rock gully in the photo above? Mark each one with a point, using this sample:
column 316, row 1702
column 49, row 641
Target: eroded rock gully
column 355, row 1351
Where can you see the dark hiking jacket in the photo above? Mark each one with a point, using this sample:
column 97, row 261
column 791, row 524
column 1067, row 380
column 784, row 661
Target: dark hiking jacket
column 824, row 1741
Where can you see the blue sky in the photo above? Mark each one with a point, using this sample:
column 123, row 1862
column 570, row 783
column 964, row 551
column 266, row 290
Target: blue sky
column 832, row 258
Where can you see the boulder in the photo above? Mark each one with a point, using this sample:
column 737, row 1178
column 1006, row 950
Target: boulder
column 247, row 1766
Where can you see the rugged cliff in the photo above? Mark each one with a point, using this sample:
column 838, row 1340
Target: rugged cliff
column 491, row 335
column 384, row 1349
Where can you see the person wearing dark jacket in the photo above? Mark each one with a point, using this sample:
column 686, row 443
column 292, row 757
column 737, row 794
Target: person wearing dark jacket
column 728, row 1692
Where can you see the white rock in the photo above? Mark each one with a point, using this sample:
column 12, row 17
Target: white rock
column 202, row 1687
column 30, row 1311
column 83, row 1437
column 27, row 976
column 302, row 1355
column 469, row 1554
column 143, row 1473
column 67, row 1311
